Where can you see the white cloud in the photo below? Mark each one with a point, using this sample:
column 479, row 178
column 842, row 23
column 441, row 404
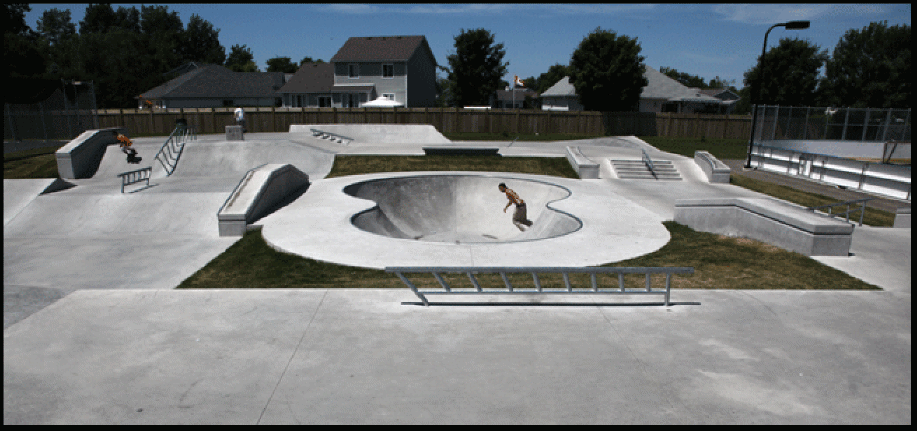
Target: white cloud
column 764, row 14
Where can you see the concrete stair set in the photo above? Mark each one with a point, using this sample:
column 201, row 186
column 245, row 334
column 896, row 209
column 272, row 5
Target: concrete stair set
column 638, row 170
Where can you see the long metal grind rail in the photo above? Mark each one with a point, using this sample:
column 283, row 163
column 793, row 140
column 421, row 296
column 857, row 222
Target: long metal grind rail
column 538, row 287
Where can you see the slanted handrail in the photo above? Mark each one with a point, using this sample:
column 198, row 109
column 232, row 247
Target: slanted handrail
column 171, row 150
column 649, row 163
column 846, row 214
column 538, row 288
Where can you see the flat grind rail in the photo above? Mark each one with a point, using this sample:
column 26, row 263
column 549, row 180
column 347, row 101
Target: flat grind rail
column 133, row 177
column 538, row 288
column 846, row 214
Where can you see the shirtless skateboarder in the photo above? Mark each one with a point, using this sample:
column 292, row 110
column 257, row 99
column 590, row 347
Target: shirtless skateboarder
column 519, row 216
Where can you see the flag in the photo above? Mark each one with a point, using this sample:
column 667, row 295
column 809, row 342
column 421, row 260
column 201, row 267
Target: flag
column 517, row 82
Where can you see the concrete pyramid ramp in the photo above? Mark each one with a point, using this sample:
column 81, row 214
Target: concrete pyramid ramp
column 379, row 133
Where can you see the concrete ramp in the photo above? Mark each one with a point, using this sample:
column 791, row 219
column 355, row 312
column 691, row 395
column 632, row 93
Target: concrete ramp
column 378, row 133
column 17, row 194
column 107, row 215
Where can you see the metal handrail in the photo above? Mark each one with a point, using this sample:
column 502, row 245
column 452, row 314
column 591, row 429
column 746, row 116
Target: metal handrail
column 167, row 155
column 132, row 177
column 235, row 190
column 539, row 289
column 846, row 214
column 649, row 163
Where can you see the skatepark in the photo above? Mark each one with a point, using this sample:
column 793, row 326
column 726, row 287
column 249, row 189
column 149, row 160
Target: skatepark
column 94, row 331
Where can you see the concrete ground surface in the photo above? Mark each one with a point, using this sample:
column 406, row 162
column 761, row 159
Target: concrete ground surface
column 94, row 331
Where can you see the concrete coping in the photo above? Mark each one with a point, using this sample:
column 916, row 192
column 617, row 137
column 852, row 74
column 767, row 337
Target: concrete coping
column 80, row 157
column 716, row 171
column 792, row 215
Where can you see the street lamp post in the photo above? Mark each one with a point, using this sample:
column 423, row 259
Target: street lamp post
column 791, row 25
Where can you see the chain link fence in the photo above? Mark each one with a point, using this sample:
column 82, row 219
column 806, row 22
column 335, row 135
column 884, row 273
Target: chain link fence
column 69, row 110
column 777, row 123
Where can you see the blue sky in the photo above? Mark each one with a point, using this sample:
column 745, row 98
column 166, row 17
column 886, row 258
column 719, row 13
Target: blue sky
column 707, row 40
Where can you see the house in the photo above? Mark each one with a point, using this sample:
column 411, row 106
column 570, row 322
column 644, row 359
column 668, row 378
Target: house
column 561, row 97
column 213, row 86
column 509, row 99
column 400, row 68
column 661, row 94
column 728, row 97
column 664, row 94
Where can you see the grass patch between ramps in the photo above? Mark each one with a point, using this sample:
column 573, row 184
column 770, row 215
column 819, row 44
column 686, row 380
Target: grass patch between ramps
column 719, row 263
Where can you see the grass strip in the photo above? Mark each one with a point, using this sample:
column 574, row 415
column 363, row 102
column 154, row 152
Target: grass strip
column 873, row 217
column 719, row 262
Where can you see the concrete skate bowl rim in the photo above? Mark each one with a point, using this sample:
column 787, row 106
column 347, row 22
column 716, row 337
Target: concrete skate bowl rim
column 349, row 191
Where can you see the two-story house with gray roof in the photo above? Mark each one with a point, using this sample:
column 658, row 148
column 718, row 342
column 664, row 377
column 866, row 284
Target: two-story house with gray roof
column 400, row 68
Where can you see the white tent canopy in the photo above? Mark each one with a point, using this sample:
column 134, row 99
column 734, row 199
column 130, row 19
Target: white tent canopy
column 381, row 102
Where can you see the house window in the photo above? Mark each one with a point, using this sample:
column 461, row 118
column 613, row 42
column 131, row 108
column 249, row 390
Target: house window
column 324, row 101
column 389, row 96
column 353, row 70
column 388, row 70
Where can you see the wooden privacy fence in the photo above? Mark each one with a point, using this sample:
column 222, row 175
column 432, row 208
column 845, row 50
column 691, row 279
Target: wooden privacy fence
column 147, row 122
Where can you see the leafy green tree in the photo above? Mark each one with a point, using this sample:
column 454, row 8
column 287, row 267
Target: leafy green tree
column 201, row 42
column 476, row 67
column 684, row 78
column 55, row 26
column 241, row 59
column 870, row 68
column 790, row 74
column 281, row 64
column 310, row 60
column 607, row 72
column 21, row 51
column 554, row 74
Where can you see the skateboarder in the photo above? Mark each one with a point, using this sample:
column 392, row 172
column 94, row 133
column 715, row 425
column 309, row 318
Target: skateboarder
column 519, row 216
column 126, row 143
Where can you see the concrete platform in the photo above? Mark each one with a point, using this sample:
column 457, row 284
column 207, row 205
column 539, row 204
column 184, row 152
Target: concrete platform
column 94, row 331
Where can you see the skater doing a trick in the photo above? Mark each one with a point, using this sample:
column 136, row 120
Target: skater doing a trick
column 520, row 217
column 126, row 143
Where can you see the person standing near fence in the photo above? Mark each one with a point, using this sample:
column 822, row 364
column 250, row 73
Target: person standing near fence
column 240, row 118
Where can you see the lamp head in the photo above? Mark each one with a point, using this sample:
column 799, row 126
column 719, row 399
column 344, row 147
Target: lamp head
column 797, row 25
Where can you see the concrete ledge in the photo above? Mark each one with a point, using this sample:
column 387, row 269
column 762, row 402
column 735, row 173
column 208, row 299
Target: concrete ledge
column 775, row 222
column 80, row 158
column 261, row 191
column 716, row 171
column 587, row 169
column 234, row 133
column 902, row 218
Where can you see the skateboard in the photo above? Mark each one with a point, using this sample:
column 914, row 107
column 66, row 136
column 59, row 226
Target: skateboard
column 133, row 158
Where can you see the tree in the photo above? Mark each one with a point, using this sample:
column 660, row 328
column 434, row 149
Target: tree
column 790, row 74
column 309, row 60
column 55, row 26
column 607, row 72
column 241, row 59
column 476, row 67
column 281, row 64
column 201, row 42
column 686, row 79
column 20, row 48
column 554, row 74
column 870, row 68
